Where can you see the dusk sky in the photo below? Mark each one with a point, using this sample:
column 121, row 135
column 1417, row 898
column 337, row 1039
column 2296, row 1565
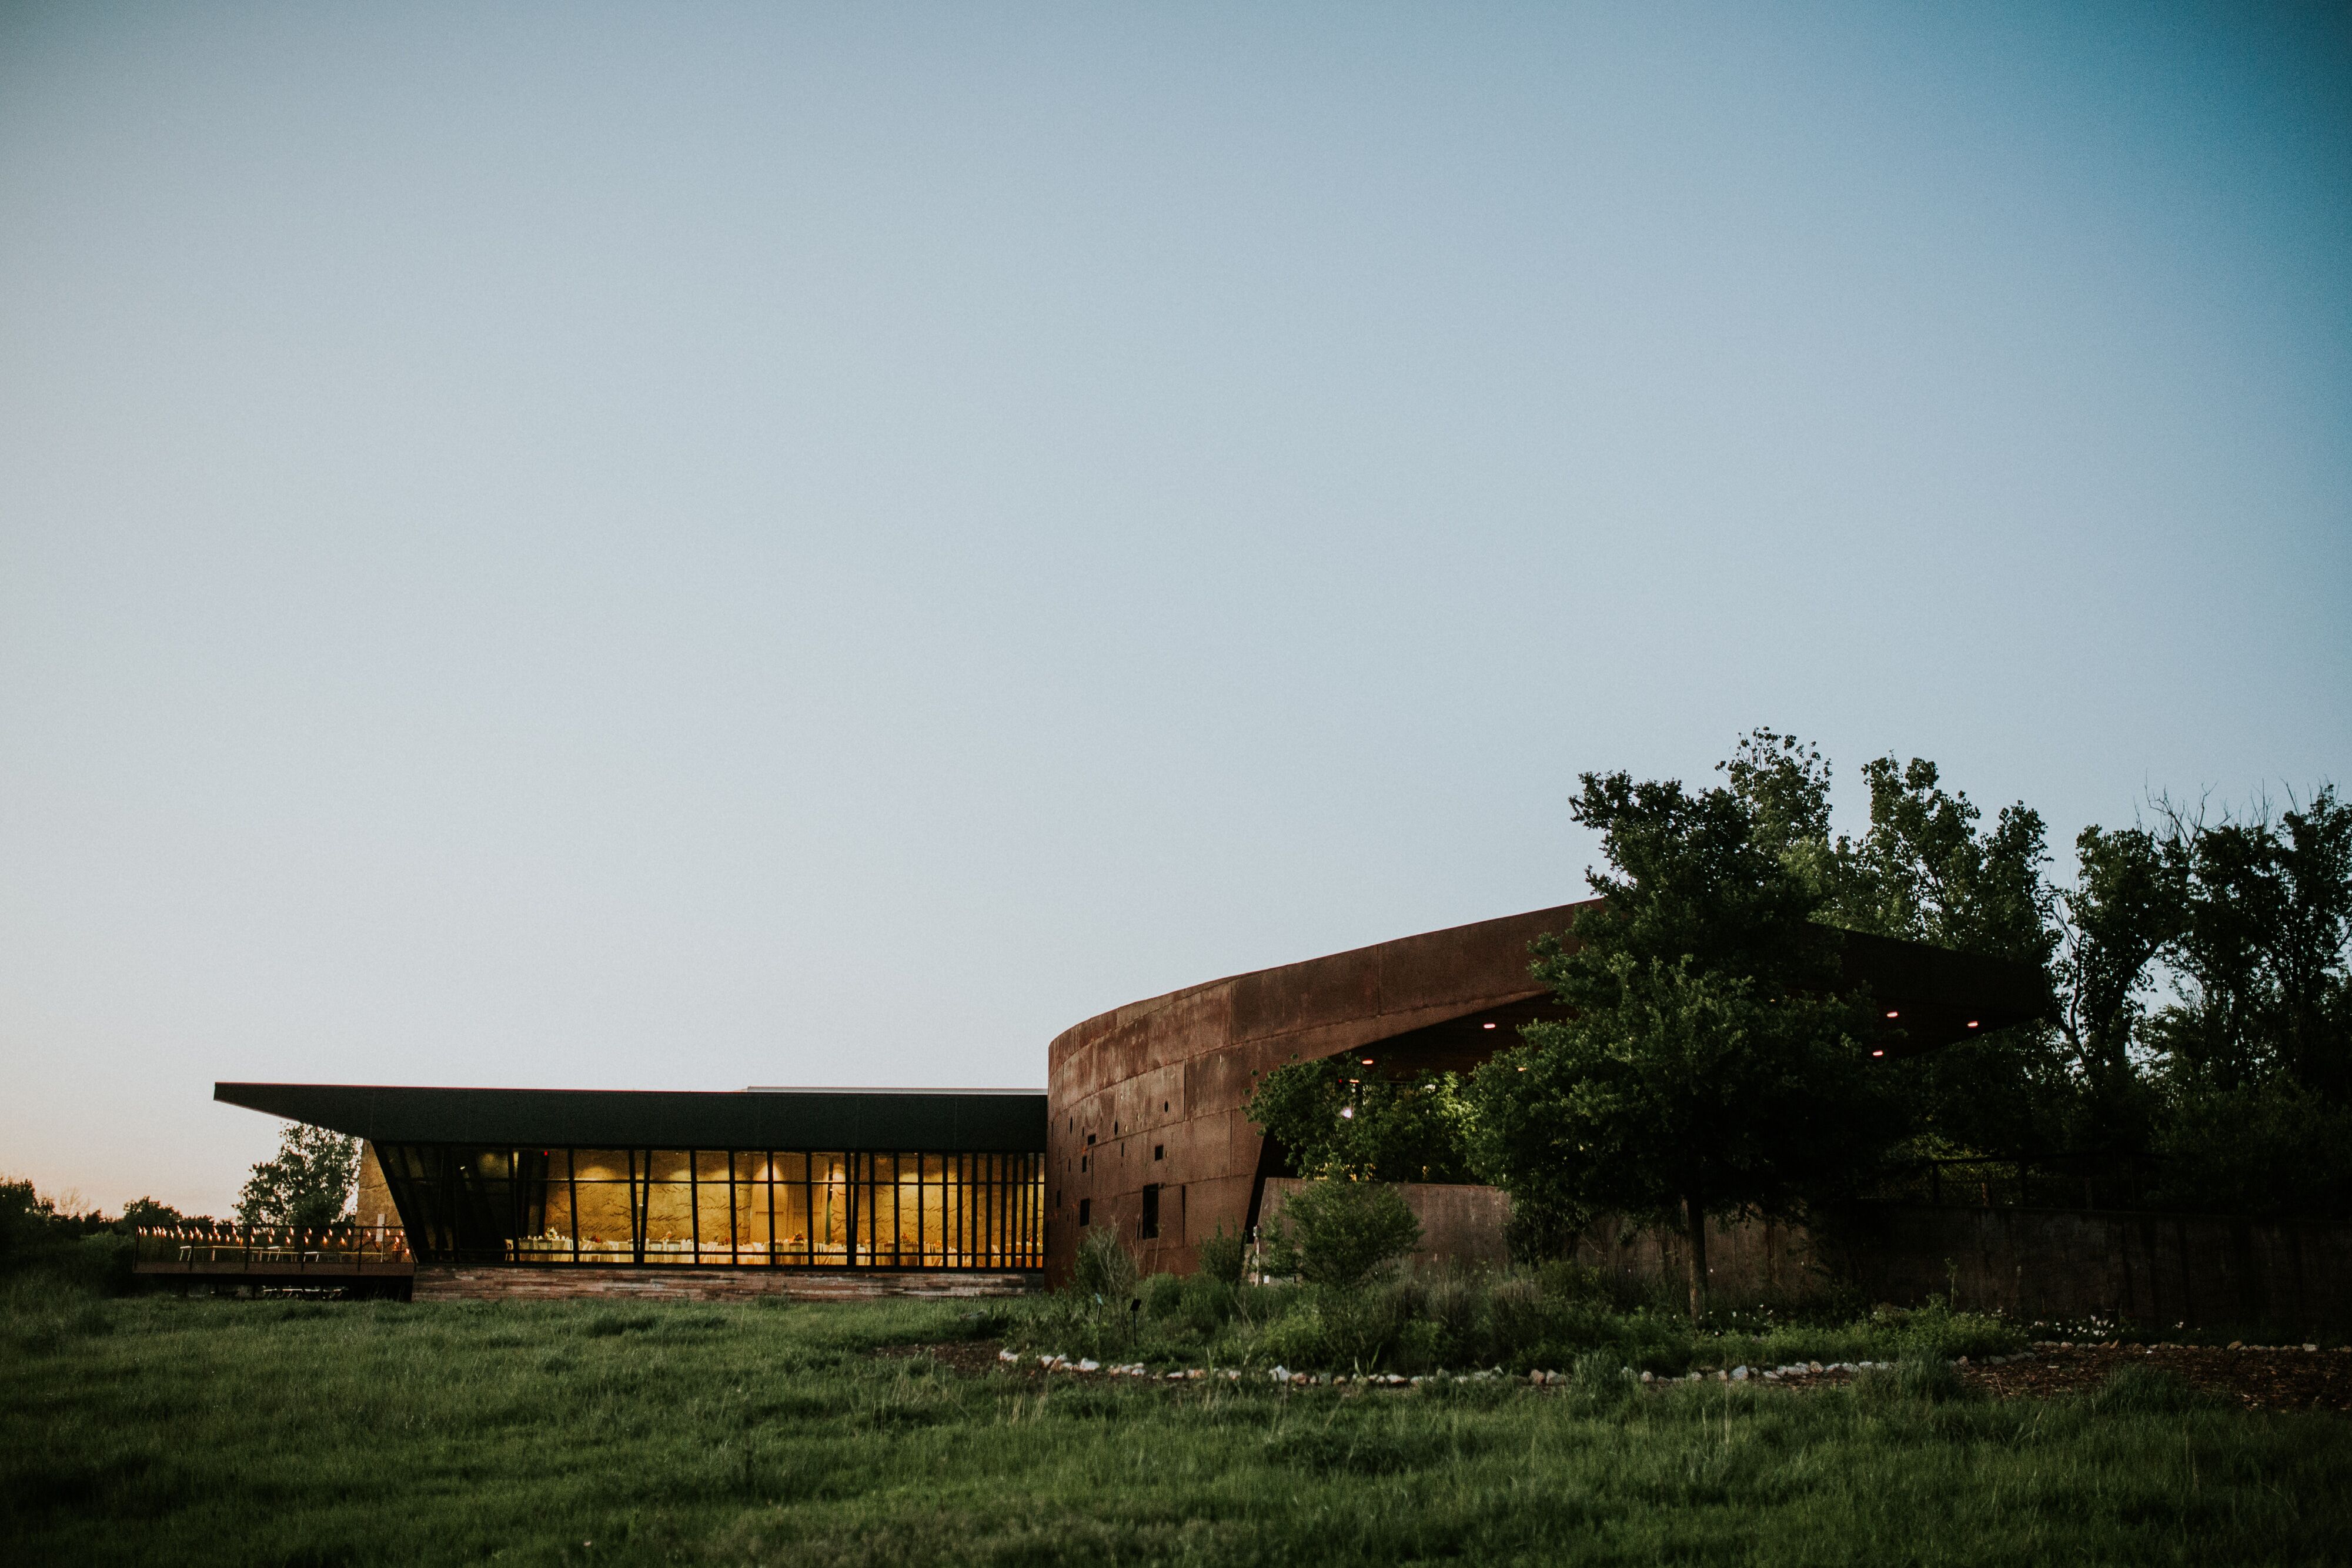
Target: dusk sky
column 683, row 546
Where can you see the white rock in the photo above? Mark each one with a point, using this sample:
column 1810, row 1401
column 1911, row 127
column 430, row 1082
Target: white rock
column 1649, row 1377
column 1739, row 1374
column 1089, row 1367
column 1812, row 1366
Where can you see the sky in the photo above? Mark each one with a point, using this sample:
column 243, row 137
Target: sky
column 687, row 546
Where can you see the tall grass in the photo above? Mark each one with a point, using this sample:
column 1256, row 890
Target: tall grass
column 1545, row 1317
column 162, row 1431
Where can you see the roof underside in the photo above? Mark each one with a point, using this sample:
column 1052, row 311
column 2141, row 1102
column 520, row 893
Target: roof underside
column 929, row 1121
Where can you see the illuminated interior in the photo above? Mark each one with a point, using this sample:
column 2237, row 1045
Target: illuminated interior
column 735, row 1207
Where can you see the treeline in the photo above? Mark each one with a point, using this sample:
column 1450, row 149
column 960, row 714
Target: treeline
column 2195, row 1035
column 38, row 1236
column 307, row 1184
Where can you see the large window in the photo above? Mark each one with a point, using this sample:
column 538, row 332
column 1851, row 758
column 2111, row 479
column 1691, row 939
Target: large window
column 733, row 1207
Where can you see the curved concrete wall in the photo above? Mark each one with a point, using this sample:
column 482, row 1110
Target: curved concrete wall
column 1151, row 1093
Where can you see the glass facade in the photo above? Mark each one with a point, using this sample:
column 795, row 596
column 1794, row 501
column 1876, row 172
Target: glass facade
column 731, row 1207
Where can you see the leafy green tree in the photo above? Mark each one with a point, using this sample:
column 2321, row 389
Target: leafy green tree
column 1927, row 870
column 1924, row 871
column 2129, row 903
column 1340, row 1118
column 1709, row 1066
column 307, row 1183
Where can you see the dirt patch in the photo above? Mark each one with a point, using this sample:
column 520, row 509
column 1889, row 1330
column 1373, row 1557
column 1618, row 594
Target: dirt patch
column 971, row 1357
column 2259, row 1379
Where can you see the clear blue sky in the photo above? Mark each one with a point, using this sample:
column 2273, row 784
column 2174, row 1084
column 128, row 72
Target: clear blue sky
column 678, row 547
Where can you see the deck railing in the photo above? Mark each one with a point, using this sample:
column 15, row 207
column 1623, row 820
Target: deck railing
column 334, row 1249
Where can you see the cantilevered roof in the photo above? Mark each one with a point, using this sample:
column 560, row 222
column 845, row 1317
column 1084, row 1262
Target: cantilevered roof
column 931, row 1121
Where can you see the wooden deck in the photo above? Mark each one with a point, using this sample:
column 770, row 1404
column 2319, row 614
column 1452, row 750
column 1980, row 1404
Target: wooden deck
column 510, row 1283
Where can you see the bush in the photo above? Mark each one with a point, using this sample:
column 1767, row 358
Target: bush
column 1936, row 1331
column 1162, row 1294
column 1221, row 1257
column 1348, row 1231
column 1205, row 1304
column 1104, row 1268
column 1296, row 1338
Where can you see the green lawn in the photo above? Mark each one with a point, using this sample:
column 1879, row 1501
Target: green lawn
column 157, row 1431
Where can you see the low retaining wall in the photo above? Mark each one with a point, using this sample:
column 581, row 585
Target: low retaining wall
column 2030, row 1263
column 542, row 1284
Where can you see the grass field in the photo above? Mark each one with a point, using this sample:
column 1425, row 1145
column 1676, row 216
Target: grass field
column 271, row 1432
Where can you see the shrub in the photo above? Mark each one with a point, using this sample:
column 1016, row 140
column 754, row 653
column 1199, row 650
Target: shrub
column 1104, row 1268
column 1453, row 1303
column 1205, row 1304
column 1221, row 1257
column 1348, row 1231
column 1360, row 1328
column 1296, row 1338
column 1162, row 1294
column 1936, row 1331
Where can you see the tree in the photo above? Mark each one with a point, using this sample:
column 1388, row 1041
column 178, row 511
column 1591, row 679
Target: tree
column 2128, row 904
column 308, row 1184
column 1709, row 1066
column 1926, row 871
column 1340, row 1118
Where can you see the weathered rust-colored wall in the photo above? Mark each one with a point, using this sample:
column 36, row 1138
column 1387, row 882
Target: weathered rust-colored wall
column 1460, row 1223
column 1159, row 1084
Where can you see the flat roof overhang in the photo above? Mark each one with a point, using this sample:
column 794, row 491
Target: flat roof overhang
column 1925, row 998
column 981, row 1121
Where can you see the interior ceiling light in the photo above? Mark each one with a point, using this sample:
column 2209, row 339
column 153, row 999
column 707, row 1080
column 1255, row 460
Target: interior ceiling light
column 1972, row 1023
column 1486, row 1026
column 1368, row 1062
column 1891, row 1013
column 1878, row 1054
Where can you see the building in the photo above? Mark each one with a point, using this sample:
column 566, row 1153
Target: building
column 1141, row 1126
column 1146, row 1128
column 762, row 1179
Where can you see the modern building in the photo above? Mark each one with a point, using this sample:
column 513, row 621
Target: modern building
column 1146, row 1127
column 1142, row 1124
column 760, row 1179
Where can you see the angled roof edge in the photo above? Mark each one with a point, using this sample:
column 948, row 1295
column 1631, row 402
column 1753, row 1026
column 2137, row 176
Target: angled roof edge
column 930, row 1121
